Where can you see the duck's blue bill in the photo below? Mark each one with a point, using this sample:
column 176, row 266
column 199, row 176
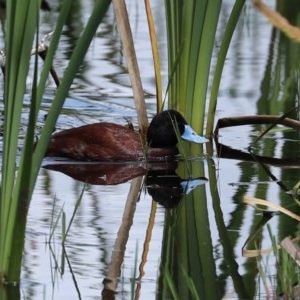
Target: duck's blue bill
column 190, row 135
column 189, row 185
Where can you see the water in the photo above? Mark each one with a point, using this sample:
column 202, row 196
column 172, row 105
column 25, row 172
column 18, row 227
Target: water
column 102, row 92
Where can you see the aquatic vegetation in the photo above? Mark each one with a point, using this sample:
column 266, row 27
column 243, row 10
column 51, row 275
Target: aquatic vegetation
column 17, row 184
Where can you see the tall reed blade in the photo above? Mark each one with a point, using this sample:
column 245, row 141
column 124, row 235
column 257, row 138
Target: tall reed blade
column 229, row 30
column 22, row 20
column 17, row 188
column 191, row 28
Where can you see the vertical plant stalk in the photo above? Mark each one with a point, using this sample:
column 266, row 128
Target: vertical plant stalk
column 18, row 43
column 191, row 28
column 15, row 237
column 133, row 69
column 278, row 20
column 228, row 251
column 197, row 103
column 155, row 54
column 16, row 192
column 173, row 45
column 62, row 91
column 145, row 249
column 114, row 270
column 230, row 26
column 192, row 33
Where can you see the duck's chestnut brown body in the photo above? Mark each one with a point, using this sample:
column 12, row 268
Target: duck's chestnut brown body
column 96, row 142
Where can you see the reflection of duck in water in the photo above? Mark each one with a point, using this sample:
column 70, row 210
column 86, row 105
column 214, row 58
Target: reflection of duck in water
column 162, row 183
column 113, row 142
column 168, row 189
column 99, row 173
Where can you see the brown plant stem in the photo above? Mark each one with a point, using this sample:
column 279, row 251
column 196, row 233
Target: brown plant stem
column 114, row 270
column 278, row 20
column 250, row 120
column 131, row 60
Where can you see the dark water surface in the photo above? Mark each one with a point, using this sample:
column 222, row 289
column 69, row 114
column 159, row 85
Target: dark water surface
column 214, row 259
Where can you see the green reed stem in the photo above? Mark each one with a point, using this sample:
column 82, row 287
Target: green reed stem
column 229, row 30
column 21, row 26
column 191, row 28
column 155, row 54
column 16, row 191
column 62, row 92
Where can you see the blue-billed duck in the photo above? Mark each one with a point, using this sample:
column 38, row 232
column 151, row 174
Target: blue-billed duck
column 113, row 142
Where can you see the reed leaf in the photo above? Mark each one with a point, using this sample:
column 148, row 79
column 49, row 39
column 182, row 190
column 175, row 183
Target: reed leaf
column 62, row 92
column 264, row 203
column 77, row 204
column 191, row 28
column 21, row 26
column 16, row 191
column 155, row 54
column 229, row 30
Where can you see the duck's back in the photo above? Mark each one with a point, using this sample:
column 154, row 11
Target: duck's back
column 98, row 142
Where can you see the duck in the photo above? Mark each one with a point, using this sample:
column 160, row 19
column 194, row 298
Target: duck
column 106, row 141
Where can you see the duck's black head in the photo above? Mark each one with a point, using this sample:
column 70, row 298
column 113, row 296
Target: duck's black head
column 161, row 132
